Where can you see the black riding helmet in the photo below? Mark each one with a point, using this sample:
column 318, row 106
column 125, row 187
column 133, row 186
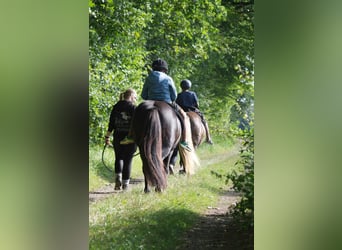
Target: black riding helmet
column 159, row 65
column 185, row 84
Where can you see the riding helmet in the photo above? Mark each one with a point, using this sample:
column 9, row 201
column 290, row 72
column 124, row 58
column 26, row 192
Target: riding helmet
column 159, row 65
column 185, row 84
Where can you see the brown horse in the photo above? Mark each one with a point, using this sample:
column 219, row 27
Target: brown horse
column 197, row 128
column 157, row 132
column 198, row 135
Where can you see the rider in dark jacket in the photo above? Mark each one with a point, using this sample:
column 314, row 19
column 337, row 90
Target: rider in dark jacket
column 189, row 102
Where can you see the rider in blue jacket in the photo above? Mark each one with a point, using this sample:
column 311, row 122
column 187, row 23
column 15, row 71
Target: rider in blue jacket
column 159, row 86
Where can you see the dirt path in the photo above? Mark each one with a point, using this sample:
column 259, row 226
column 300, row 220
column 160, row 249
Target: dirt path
column 108, row 190
column 216, row 229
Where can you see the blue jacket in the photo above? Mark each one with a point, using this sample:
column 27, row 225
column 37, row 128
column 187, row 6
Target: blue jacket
column 159, row 87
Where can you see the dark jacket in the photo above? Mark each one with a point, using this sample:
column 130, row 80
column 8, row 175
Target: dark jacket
column 187, row 100
column 120, row 118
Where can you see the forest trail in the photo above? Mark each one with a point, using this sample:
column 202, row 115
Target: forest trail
column 216, row 228
column 108, row 189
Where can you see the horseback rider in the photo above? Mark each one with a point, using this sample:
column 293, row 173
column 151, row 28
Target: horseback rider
column 189, row 102
column 159, row 86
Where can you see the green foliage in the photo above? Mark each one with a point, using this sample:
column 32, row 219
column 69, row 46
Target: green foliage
column 243, row 179
column 116, row 57
column 242, row 112
column 209, row 42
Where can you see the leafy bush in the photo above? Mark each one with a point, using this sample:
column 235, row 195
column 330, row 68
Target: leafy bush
column 243, row 180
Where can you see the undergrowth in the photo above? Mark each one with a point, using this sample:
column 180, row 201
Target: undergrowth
column 242, row 178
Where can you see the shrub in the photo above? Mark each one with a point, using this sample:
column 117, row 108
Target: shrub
column 243, row 179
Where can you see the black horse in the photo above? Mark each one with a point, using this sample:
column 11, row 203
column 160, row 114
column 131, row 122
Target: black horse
column 157, row 132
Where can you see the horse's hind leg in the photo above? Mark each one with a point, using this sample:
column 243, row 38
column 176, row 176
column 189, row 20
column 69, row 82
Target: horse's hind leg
column 146, row 189
column 181, row 167
column 173, row 160
column 171, row 169
column 168, row 165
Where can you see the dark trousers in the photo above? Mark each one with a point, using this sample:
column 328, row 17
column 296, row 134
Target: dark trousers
column 123, row 156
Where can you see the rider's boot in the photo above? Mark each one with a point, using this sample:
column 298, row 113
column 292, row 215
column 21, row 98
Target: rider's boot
column 185, row 145
column 182, row 116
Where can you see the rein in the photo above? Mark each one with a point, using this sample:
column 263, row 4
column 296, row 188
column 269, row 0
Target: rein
column 103, row 161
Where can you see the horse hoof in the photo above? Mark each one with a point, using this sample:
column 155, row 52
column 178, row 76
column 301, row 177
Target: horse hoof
column 171, row 169
column 210, row 142
column 182, row 171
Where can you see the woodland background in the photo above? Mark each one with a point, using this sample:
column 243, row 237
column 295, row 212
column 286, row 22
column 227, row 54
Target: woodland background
column 209, row 42
column 44, row 100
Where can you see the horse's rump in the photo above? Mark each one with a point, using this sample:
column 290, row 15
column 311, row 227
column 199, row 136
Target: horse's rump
column 157, row 131
column 197, row 128
column 147, row 133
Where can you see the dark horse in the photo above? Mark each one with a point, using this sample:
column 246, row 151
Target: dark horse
column 157, row 132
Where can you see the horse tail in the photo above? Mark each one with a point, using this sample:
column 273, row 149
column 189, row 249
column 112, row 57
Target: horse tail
column 154, row 169
column 189, row 159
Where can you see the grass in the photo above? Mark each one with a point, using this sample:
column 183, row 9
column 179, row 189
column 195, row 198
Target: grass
column 135, row 220
column 99, row 175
